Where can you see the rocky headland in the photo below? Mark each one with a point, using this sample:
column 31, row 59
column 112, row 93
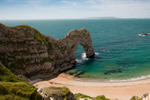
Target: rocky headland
column 24, row 50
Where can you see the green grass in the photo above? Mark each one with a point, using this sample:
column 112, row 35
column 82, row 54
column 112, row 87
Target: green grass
column 7, row 76
column 14, row 88
column 12, row 97
column 39, row 38
column 79, row 31
column 102, row 97
column 3, row 89
column 24, row 26
column 38, row 35
column 135, row 98
column 79, row 95
column 18, row 90
column 58, row 91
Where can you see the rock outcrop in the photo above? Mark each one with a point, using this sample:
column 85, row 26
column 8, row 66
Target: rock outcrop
column 55, row 93
column 24, row 50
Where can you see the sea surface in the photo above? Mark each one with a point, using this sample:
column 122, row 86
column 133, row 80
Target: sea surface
column 120, row 52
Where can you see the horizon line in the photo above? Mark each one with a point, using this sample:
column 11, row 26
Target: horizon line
column 78, row 18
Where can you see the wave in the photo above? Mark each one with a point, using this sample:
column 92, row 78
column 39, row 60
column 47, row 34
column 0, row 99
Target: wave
column 83, row 55
column 141, row 35
column 96, row 53
column 132, row 79
column 78, row 60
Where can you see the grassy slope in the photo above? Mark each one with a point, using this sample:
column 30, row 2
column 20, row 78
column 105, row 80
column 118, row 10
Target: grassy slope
column 79, row 95
column 14, row 88
column 58, row 91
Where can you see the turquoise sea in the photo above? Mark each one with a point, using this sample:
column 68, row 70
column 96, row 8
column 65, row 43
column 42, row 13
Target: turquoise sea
column 121, row 54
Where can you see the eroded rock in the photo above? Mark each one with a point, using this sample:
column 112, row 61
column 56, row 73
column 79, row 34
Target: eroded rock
column 24, row 50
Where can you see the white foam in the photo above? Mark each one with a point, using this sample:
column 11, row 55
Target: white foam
column 96, row 53
column 132, row 79
column 84, row 56
column 141, row 35
column 78, row 60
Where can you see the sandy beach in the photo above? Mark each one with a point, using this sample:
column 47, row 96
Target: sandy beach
column 112, row 90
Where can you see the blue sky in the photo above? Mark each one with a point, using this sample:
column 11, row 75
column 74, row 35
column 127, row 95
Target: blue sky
column 73, row 9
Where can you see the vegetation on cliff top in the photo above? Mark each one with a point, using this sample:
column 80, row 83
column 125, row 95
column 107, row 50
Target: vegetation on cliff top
column 38, row 37
column 58, row 91
column 14, row 88
column 86, row 97
column 79, row 95
column 135, row 98
column 24, row 26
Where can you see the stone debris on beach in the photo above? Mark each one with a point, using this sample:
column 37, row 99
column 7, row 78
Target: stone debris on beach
column 147, row 97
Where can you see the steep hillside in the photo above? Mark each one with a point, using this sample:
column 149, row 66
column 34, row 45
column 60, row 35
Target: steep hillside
column 14, row 88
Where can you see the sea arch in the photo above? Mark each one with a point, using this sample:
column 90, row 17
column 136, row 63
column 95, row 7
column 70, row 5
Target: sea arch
column 67, row 47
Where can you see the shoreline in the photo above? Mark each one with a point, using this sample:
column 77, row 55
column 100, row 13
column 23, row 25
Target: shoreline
column 112, row 90
column 110, row 81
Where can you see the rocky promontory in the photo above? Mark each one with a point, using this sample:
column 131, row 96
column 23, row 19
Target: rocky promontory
column 24, row 50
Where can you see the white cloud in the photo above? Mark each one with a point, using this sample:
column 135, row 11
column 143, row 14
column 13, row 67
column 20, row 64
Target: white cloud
column 74, row 4
column 90, row 1
column 25, row 0
column 65, row 1
column 122, row 8
column 72, row 9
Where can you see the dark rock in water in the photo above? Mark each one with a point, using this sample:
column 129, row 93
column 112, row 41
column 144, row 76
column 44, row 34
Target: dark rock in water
column 70, row 73
column 24, row 50
column 76, row 73
column 113, row 71
column 80, row 73
column 143, row 34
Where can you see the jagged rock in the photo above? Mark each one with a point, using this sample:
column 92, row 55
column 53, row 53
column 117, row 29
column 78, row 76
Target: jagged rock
column 146, row 97
column 24, row 50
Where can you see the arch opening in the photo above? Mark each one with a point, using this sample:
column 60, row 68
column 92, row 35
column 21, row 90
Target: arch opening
column 80, row 54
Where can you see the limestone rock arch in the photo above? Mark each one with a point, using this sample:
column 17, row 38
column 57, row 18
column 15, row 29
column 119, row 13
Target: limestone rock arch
column 68, row 46
column 24, row 50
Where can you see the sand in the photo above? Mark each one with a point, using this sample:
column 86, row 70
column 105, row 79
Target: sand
column 112, row 90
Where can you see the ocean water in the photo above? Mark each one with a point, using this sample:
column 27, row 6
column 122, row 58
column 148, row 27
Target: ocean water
column 121, row 54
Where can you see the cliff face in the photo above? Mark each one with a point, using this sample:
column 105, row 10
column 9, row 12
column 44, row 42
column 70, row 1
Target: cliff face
column 24, row 50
